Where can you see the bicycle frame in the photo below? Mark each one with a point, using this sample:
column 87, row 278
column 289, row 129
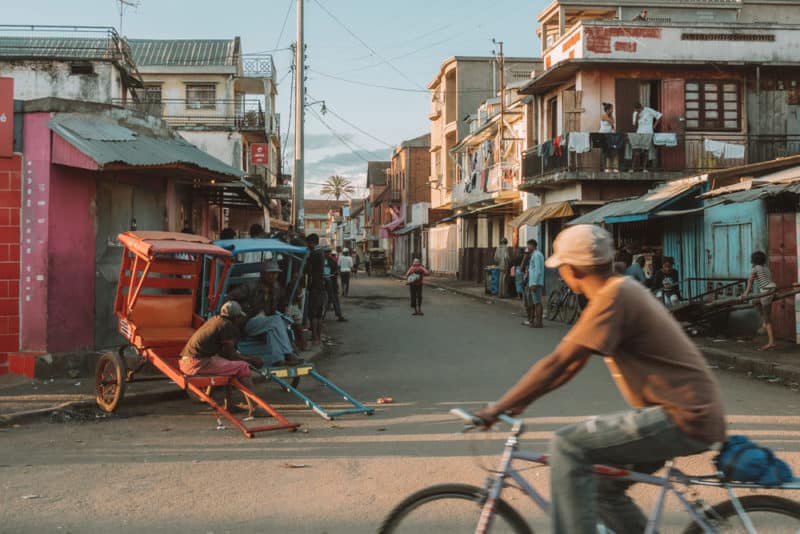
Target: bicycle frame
column 696, row 510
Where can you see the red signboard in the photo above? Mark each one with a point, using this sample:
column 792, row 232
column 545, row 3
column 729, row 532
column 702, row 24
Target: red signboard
column 6, row 117
column 259, row 153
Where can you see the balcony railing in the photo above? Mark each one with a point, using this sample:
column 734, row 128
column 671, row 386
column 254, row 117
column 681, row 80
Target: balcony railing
column 258, row 66
column 235, row 114
column 690, row 156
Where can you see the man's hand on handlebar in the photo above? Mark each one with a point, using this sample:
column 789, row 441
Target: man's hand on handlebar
column 490, row 415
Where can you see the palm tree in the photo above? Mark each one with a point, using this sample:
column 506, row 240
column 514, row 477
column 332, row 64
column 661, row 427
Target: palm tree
column 338, row 187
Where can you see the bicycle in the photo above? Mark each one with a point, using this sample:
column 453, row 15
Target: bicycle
column 564, row 304
column 485, row 508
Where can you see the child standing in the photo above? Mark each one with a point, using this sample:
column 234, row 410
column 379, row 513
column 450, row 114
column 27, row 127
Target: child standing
column 414, row 280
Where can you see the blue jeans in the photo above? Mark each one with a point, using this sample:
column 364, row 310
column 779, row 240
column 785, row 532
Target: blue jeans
column 641, row 440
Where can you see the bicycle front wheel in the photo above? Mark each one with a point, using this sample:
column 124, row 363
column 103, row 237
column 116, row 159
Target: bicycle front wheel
column 450, row 509
column 569, row 310
column 553, row 304
column 769, row 515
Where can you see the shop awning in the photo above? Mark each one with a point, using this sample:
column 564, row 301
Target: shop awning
column 408, row 229
column 475, row 211
column 643, row 207
column 537, row 214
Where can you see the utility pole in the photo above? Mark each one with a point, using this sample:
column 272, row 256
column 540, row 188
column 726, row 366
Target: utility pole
column 298, row 182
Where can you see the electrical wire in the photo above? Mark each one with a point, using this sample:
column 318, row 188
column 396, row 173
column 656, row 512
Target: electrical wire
column 340, row 138
column 289, row 124
column 400, row 89
column 364, row 44
column 410, row 41
column 283, row 26
column 329, row 109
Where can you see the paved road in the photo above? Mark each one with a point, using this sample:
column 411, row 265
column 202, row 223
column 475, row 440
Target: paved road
column 165, row 468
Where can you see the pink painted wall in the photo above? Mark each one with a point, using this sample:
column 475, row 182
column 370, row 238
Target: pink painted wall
column 34, row 227
column 70, row 300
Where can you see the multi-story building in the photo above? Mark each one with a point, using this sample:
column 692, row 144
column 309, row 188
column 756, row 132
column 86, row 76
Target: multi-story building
column 319, row 215
column 379, row 210
column 409, row 176
column 724, row 74
column 460, row 86
column 223, row 102
column 82, row 63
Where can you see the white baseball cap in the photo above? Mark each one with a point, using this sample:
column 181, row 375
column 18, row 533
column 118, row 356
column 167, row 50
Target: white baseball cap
column 231, row 309
column 582, row 245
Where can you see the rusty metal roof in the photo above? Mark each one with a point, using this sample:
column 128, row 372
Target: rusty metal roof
column 107, row 141
column 54, row 48
column 640, row 208
column 184, row 52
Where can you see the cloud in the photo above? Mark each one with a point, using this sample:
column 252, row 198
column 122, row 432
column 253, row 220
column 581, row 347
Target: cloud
column 316, row 141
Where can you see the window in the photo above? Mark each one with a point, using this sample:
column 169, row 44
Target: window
column 713, row 105
column 83, row 67
column 151, row 93
column 201, row 96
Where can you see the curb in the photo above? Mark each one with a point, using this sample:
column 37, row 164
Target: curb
column 752, row 366
column 145, row 397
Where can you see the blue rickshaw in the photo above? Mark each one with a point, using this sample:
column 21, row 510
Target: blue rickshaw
column 248, row 257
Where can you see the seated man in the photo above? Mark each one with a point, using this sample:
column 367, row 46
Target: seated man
column 212, row 349
column 261, row 304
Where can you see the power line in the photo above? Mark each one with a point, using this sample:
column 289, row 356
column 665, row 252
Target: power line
column 411, row 53
column 283, row 26
column 339, row 137
column 289, row 124
column 355, row 127
column 364, row 44
column 409, row 41
column 400, row 89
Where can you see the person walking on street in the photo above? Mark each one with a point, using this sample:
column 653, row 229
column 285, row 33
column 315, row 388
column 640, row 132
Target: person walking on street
column 502, row 260
column 527, row 302
column 677, row 407
column 414, row 279
column 761, row 277
column 520, row 271
column 345, row 270
column 316, row 287
column 331, row 275
column 536, row 283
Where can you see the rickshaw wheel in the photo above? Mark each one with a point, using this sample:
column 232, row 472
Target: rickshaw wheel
column 110, row 381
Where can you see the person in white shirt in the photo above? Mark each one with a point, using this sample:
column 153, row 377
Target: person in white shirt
column 345, row 269
column 645, row 118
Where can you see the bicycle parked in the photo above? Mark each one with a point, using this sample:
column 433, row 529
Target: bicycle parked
column 463, row 508
column 563, row 305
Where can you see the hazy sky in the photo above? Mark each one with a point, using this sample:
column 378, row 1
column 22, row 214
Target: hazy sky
column 395, row 44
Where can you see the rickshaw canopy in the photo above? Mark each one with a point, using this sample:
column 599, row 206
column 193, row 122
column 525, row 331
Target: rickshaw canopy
column 151, row 243
column 243, row 246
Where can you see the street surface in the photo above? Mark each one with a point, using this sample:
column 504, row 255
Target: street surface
column 164, row 467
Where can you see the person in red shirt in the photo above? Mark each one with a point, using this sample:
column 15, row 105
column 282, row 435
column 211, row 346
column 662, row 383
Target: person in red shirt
column 414, row 280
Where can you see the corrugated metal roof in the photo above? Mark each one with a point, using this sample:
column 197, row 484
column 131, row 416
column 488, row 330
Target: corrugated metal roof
column 757, row 193
column 184, row 52
column 107, row 141
column 641, row 207
column 57, row 47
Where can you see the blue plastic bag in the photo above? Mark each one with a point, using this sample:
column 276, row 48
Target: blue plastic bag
column 742, row 460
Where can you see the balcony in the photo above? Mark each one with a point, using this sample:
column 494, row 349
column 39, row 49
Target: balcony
column 236, row 114
column 500, row 178
column 689, row 157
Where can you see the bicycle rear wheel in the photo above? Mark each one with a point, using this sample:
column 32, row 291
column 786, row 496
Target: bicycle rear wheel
column 768, row 513
column 449, row 509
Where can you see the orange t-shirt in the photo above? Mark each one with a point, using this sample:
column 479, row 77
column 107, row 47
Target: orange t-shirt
column 652, row 360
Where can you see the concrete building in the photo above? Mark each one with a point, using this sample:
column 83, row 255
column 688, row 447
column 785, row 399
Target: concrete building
column 88, row 64
column 223, row 102
column 458, row 89
column 378, row 210
column 409, row 176
column 723, row 74
column 318, row 218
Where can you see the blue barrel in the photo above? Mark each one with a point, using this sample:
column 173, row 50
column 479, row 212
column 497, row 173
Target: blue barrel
column 493, row 280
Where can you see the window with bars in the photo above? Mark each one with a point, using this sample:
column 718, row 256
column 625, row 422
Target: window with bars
column 201, row 96
column 713, row 105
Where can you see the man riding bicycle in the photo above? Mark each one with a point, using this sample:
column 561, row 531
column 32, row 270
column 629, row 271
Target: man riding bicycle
column 678, row 406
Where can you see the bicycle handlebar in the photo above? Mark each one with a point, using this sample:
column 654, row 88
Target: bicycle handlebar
column 474, row 420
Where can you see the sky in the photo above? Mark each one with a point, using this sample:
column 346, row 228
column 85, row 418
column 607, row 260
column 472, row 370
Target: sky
column 368, row 43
